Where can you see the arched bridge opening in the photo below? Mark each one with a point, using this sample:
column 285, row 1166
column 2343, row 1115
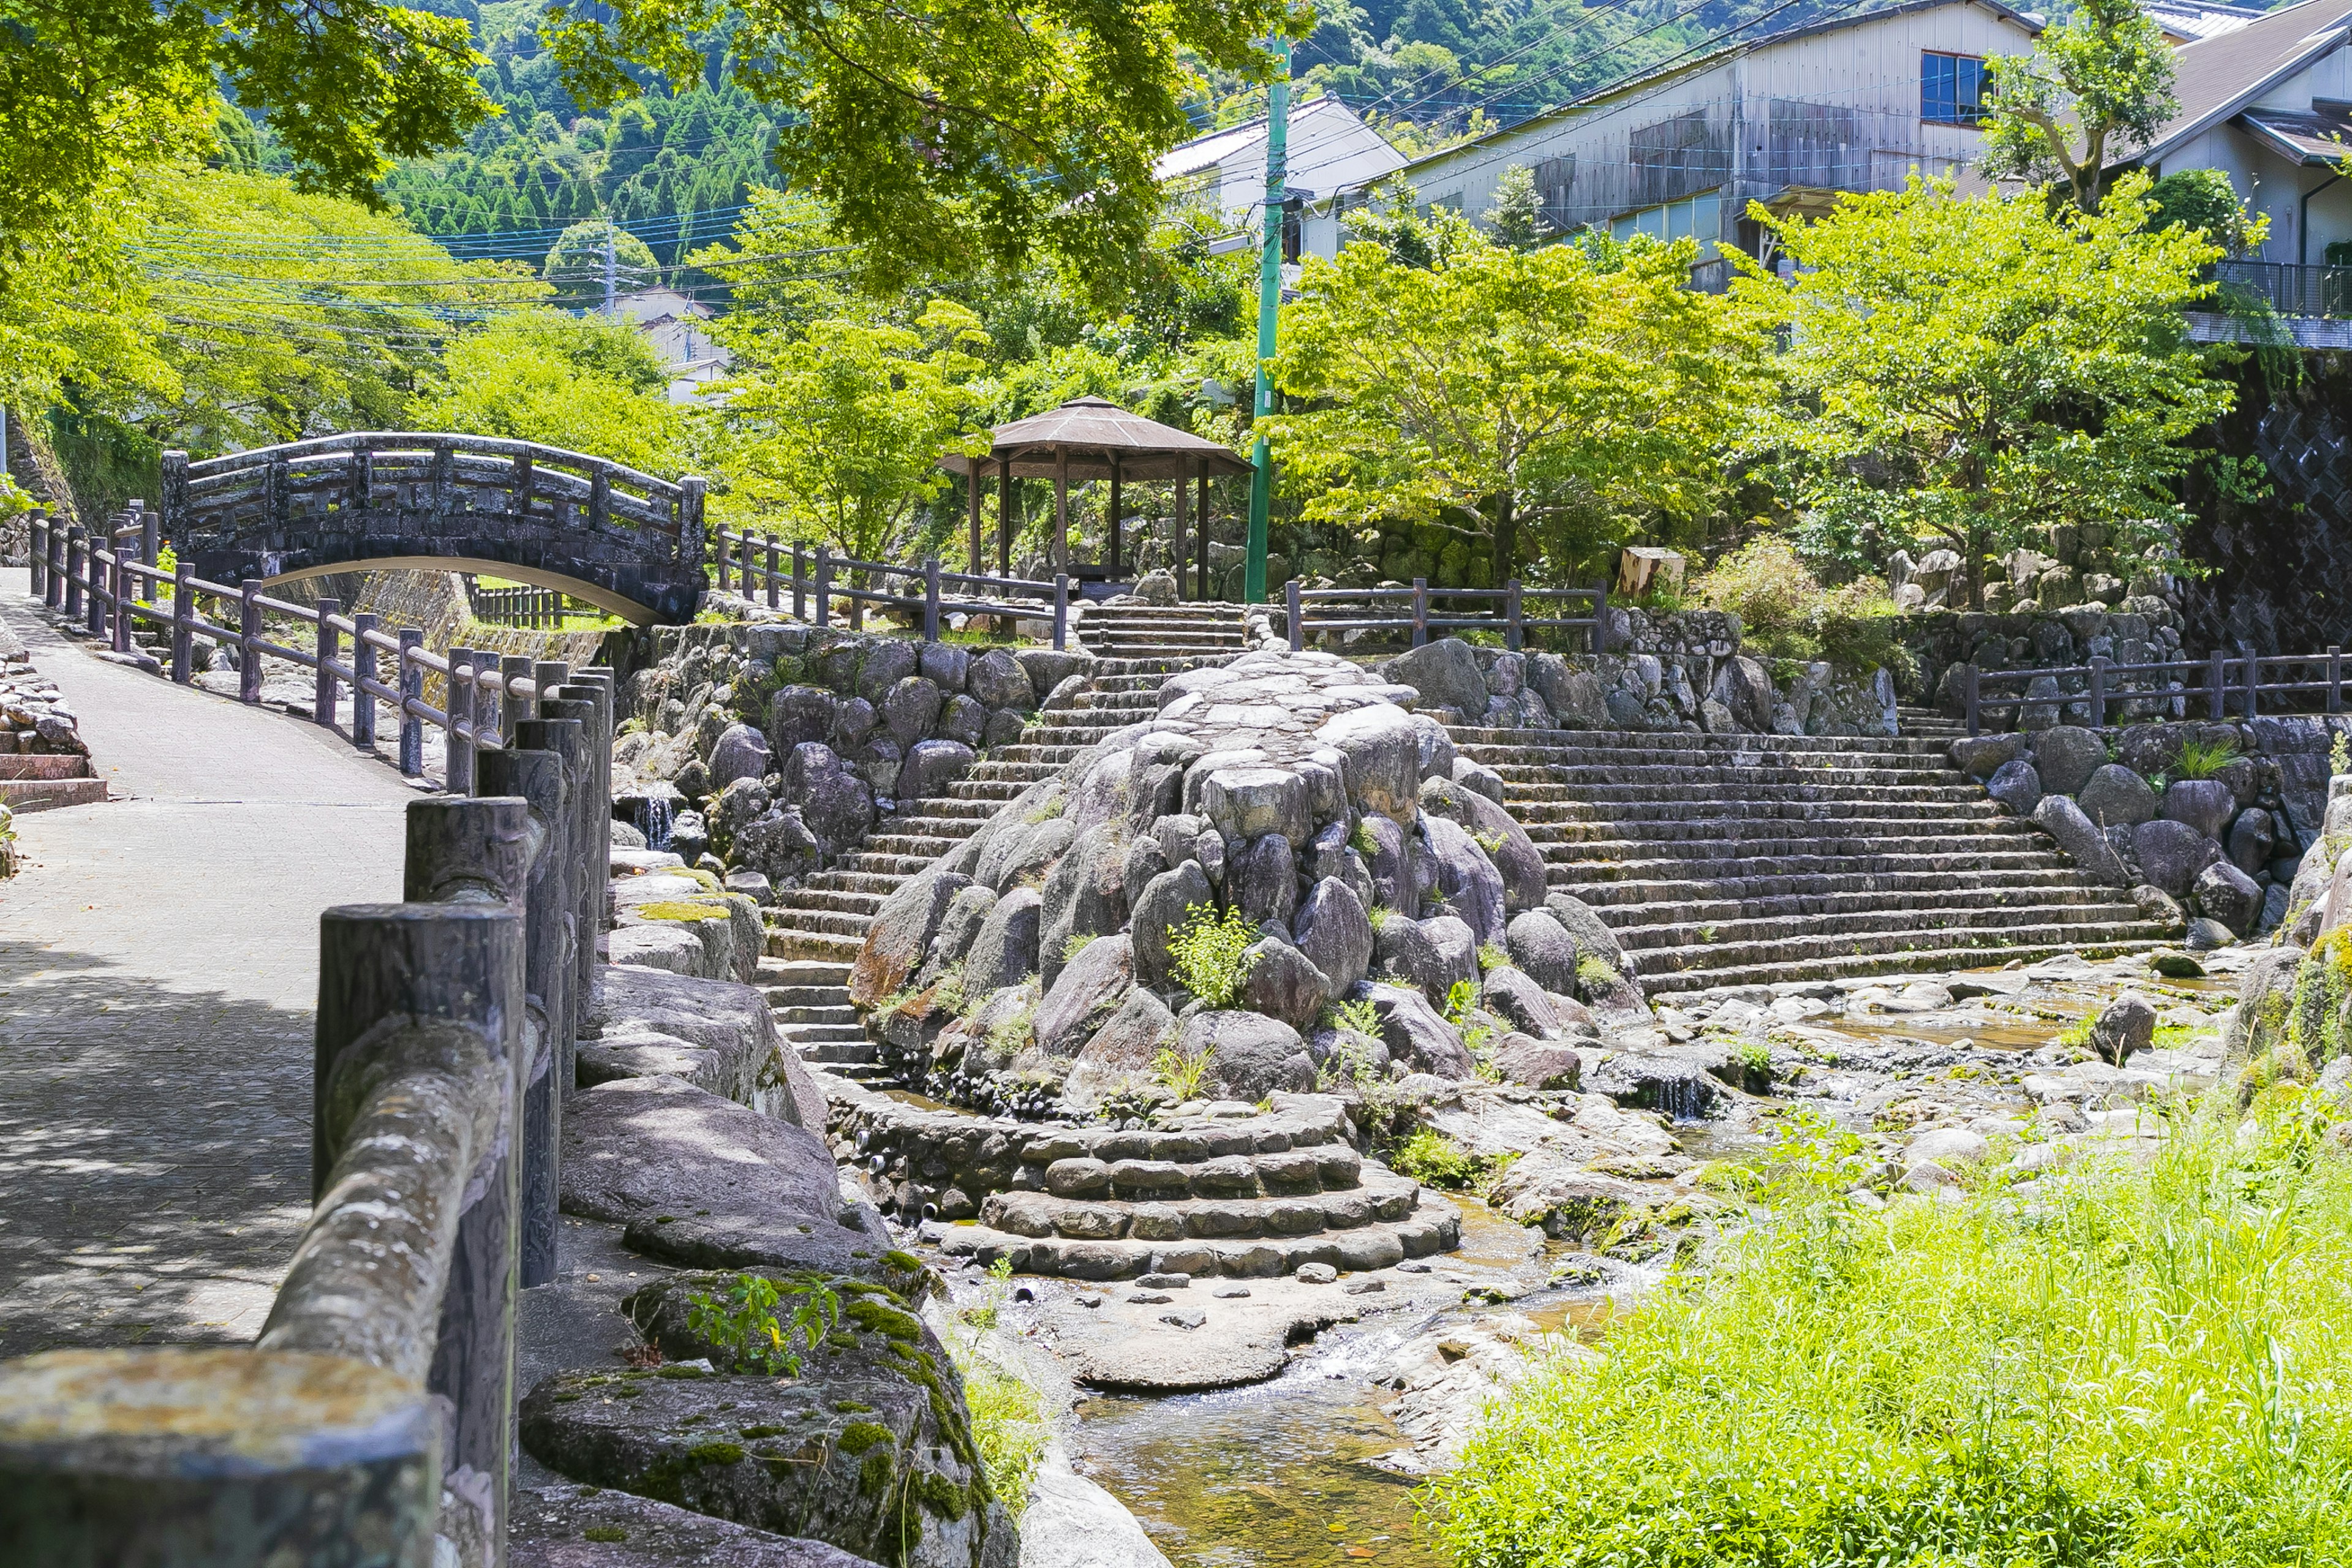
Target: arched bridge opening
column 626, row 541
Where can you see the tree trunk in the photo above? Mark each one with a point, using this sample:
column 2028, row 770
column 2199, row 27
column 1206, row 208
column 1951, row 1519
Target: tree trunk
column 1506, row 537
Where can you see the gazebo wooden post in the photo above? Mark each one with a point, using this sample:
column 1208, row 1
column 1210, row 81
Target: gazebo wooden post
column 1008, row 518
column 1115, row 519
column 1061, row 552
column 971, row 504
column 1176, row 529
column 1204, row 532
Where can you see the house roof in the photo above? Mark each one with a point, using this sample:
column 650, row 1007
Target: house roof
column 2189, row 21
column 1092, row 434
column 2217, row 77
column 2031, row 24
column 2321, row 136
column 1325, row 116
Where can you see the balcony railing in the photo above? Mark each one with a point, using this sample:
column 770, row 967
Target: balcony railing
column 2289, row 289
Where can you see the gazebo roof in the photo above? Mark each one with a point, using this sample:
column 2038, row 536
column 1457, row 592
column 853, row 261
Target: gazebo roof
column 1092, row 435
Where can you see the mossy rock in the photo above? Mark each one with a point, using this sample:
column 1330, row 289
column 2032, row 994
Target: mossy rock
column 887, row 1480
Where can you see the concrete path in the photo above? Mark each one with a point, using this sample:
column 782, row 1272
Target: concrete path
column 158, row 969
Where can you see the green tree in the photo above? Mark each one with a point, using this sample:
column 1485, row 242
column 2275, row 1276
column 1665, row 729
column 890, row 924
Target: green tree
column 949, row 137
column 2096, row 88
column 584, row 385
column 837, row 426
column 2204, row 200
column 575, row 264
column 1979, row 369
column 1517, row 220
column 1506, row 389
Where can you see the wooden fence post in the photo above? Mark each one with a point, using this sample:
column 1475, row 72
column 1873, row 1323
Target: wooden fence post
column 2335, row 679
column 126, row 594
column 1420, row 611
column 76, row 551
column 1515, row 631
column 1061, row 610
column 800, row 581
column 2220, row 683
column 537, row 778
column 183, row 615
column 54, row 597
column 322, row 695
column 458, row 965
column 411, row 696
column 248, row 627
column 457, row 759
column 1297, row 628
column 773, row 597
column 1600, row 618
column 37, row 540
column 363, row 671
column 101, row 568
column 931, row 600
column 149, row 534
column 823, row 586
column 2253, row 684
column 2099, row 691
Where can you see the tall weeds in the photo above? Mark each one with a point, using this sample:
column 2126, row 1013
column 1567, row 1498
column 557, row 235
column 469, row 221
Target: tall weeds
column 2138, row 1364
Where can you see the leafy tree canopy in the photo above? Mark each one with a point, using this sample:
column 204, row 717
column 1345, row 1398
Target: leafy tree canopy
column 1976, row 371
column 948, row 138
column 1535, row 387
column 2097, row 87
column 582, row 384
column 576, row 263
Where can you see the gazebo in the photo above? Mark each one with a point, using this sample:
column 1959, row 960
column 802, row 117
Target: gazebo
column 1089, row 438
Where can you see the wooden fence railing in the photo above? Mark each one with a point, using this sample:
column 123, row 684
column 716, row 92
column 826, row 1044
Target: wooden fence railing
column 1315, row 611
column 2217, row 683
column 103, row 584
column 763, row 564
column 375, row 1414
column 526, row 606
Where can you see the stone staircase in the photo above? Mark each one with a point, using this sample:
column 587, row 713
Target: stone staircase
column 814, row 930
column 1740, row 859
column 1200, row 633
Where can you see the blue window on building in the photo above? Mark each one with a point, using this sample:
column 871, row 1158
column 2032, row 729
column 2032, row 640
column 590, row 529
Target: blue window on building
column 1951, row 88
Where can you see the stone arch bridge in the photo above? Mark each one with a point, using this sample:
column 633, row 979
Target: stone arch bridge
column 626, row 541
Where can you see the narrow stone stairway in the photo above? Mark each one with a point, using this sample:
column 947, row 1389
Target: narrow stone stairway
column 1199, row 633
column 1740, row 859
column 814, row 930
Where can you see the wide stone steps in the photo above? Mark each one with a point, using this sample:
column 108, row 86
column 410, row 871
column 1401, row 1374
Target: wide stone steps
column 1637, row 921
column 1179, row 1215
column 1563, row 776
column 1546, row 803
column 1683, row 945
column 1693, row 747
column 2106, row 943
column 1925, row 833
column 1575, row 872
column 842, row 900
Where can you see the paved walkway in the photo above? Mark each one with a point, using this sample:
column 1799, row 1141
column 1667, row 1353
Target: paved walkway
column 158, row 968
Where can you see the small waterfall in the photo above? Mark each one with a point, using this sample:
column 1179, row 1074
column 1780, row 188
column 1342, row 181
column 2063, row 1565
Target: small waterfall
column 659, row 815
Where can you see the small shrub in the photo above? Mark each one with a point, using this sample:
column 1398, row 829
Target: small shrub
column 1492, row 843
column 1359, row 839
column 2340, row 755
column 1360, row 1016
column 1756, row 1056
column 1434, row 1160
column 1595, row 973
column 1380, row 915
column 1180, row 1075
column 2202, row 759
column 1074, row 946
column 1785, row 611
column 1008, row 1429
column 1208, row 954
column 743, row 1322
column 1492, row 957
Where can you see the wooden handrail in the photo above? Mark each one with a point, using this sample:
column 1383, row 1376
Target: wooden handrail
column 1513, row 621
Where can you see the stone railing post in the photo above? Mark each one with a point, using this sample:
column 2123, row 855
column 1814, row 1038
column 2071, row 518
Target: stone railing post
column 512, row 667
column 77, row 567
column 184, row 616
column 322, row 696
column 774, row 595
column 54, row 597
column 689, row 520
column 561, row 738
column 411, row 696
column 249, row 625
column 537, row 778
column 932, row 601
column 590, row 837
column 363, row 671
column 1420, row 611
column 172, row 493
column 457, row 758
column 36, row 551
column 150, row 533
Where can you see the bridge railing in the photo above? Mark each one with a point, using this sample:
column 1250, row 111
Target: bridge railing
column 2217, row 684
column 358, row 471
column 1418, row 610
column 518, row 607
column 377, row 1405
column 102, row 584
column 757, row 565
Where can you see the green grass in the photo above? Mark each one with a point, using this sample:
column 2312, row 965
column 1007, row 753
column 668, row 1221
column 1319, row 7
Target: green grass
column 2143, row 1365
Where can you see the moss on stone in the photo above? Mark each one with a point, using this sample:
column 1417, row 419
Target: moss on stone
column 860, row 1435
column 880, row 1318
column 717, row 1452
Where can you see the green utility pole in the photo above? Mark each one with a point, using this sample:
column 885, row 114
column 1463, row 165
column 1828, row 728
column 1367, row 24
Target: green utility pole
column 1269, row 306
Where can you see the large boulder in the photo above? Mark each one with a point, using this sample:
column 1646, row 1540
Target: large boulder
column 2115, row 796
column 1577, row 697
column 643, row 1146
column 2017, row 786
column 1160, row 912
column 997, row 679
column 931, row 766
column 1515, row 996
column 887, row 662
column 1445, row 673
column 2081, row 841
column 1083, row 995
column 836, row 803
column 1086, row 895
column 1003, row 950
column 2123, row 1026
column 1122, row 1051
column 1016, row 849
column 2251, row 839
column 900, row 936
column 2066, row 755
column 1334, row 933
column 1283, row 983
column 1392, row 864
column 2204, row 804
column 1407, row 952
column 1980, row 756
column 1416, row 1035
column 1382, row 748
column 2171, row 854
column 1472, row 888
column 778, row 845
column 1249, row 1055
column 1592, row 936
column 741, row 753
column 799, row 714
column 566, row 1526
column 1506, row 844
column 1538, row 1064
column 1263, row 879
column 967, row 912
column 1540, row 945
column 1742, row 686
column 1251, row 802
column 2224, row 893
column 910, row 707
